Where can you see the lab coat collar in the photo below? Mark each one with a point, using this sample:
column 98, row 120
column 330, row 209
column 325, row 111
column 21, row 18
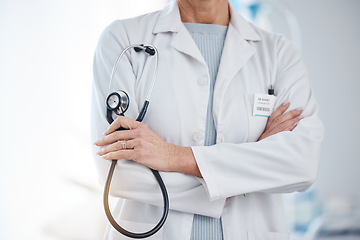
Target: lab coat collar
column 170, row 21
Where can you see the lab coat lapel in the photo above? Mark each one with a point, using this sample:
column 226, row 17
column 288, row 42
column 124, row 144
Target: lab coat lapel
column 170, row 21
column 236, row 52
column 183, row 42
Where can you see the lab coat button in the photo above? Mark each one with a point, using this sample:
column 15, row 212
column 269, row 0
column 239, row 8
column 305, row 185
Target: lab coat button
column 203, row 81
column 198, row 136
column 220, row 138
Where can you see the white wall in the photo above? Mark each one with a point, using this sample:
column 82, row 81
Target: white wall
column 331, row 49
column 46, row 53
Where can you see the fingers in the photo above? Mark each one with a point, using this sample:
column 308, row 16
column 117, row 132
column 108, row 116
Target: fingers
column 121, row 154
column 276, row 121
column 117, row 146
column 116, row 136
column 111, row 135
column 280, row 121
column 288, row 125
column 279, row 111
column 121, row 121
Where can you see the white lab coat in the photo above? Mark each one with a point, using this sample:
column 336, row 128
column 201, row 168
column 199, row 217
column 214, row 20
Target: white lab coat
column 252, row 59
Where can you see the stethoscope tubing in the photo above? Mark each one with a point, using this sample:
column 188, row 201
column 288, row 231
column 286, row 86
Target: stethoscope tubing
column 117, row 63
column 116, row 225
column 156, row 174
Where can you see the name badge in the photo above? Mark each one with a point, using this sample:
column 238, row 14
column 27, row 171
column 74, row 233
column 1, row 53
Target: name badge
column 263, row 105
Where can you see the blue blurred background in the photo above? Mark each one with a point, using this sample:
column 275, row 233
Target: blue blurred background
column 48, row 183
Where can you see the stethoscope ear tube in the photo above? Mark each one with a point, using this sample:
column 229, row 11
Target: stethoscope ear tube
column 116, row 225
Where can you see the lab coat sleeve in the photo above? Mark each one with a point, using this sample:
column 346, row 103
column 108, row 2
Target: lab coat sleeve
column 282, row 163
column 132, row 180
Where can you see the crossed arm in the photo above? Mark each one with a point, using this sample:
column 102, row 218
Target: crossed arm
column 140, row 142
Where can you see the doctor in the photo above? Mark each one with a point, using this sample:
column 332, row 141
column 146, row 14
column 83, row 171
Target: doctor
column 224, row 168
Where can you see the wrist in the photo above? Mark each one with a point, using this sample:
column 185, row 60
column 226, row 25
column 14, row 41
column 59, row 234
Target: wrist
column 183, row 161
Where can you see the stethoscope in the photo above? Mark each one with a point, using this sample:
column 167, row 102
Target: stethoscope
column 116, row 105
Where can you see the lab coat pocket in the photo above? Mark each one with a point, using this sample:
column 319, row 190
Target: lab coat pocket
column 135, row 227
column 255, row 235
column 256, row 124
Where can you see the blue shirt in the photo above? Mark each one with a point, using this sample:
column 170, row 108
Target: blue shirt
column 209, row 39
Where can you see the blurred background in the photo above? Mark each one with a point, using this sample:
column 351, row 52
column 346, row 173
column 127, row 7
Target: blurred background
column 48, row 183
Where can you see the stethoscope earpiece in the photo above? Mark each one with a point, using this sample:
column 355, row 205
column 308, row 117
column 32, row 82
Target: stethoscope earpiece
column 148, row 49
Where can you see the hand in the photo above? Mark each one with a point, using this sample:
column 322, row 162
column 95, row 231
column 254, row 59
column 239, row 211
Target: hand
column 142, row 145
column 280, row 121
column 139, row 144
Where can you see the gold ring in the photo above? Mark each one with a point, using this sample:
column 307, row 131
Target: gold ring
column 123, row 144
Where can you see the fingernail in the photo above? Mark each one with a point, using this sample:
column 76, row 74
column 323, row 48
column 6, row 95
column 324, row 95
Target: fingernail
column 300, row 117
column 99, row 152
column 295, row 124
column 96, row 142
column 285, row 103
column 299, row 109
column 106, row 132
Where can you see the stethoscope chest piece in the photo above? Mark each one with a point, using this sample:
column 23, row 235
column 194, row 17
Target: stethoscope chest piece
column 117, row 102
